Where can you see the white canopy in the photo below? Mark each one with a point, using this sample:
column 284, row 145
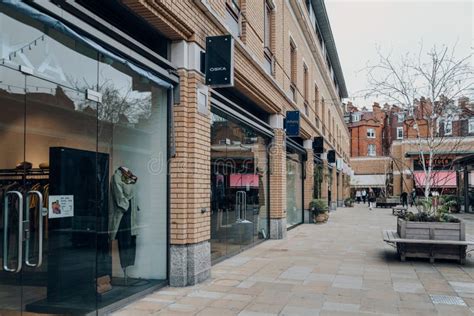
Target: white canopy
column 368, row 181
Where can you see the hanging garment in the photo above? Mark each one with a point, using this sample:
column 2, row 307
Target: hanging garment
column 123, row 198
column 127, row 244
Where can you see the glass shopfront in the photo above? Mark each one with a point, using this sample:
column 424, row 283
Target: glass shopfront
column 294, row 189
column 83, row 184
column 239, row 182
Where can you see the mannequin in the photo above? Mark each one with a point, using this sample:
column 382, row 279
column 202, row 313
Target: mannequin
column 123, row 215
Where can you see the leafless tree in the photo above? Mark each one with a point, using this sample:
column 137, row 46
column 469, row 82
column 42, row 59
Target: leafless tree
column 426, row 86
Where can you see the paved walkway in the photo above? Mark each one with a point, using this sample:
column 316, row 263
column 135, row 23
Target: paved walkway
column 338, row 268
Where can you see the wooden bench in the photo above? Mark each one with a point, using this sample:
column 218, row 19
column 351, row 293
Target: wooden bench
column 391, row 236
column 399, row 210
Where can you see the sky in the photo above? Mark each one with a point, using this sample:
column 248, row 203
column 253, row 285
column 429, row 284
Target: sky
column 397, row 27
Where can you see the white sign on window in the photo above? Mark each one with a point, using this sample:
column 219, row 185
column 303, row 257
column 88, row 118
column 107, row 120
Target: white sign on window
column 61, row 206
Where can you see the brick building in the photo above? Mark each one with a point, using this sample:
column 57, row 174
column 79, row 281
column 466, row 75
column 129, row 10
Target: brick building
column 396, row 133
column 153, row 175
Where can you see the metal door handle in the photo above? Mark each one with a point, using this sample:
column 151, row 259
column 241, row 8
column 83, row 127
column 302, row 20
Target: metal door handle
column 20, row 232
column 40, row 230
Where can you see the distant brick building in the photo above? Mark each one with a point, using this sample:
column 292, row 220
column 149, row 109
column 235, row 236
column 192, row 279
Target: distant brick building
column 367, row 131
column 392, row 132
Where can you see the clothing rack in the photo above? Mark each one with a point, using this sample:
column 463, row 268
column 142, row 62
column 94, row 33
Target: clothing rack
column 15, row 174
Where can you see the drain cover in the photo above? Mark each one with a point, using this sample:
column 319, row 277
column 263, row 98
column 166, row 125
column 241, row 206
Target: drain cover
column 448, row 300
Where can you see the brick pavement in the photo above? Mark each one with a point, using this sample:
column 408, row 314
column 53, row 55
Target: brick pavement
column 339, row 268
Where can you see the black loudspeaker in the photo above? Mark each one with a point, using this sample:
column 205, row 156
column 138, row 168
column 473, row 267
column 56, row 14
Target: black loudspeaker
column 318, row 145
column 331, row 156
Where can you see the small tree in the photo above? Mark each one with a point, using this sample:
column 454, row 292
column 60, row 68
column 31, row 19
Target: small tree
column 426, row 87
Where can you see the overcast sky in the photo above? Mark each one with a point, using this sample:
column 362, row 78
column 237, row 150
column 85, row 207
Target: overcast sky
column 398, row 26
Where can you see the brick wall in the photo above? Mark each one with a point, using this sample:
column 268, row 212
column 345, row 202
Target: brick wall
column 192, row 21
column 278, row 175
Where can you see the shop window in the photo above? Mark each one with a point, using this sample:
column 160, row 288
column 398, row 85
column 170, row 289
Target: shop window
column 101, row 168
column 239, row 186
column 294, row 189
column 399, row 132
column 371, row 150
column 371, row 133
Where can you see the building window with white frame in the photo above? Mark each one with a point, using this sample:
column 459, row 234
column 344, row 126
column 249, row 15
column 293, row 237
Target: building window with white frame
column 267, row 39
column 371, row 133
column 233, row 17
column 355, row 117
column 399, row 132
column 400, row 117
column 371, row 150
column 470, row 125
column 448, row 127
column 293, row 74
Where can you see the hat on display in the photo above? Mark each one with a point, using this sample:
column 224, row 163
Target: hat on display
column 24, row 165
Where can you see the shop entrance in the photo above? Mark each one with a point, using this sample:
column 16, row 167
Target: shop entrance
column 83, row 174
column 50, row 226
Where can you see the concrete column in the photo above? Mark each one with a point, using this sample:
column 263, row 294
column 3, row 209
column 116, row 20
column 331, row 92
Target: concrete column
column 278, row 179
column 309, row 180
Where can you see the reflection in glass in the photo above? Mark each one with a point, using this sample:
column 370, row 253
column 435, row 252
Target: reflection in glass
column 133, row 132
column 105, row 157
column 239, row 184
column 294, row 190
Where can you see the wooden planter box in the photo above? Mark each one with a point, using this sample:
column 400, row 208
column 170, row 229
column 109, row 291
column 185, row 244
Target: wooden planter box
column 431, row 231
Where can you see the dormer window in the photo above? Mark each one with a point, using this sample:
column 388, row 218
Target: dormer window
column 355, row 117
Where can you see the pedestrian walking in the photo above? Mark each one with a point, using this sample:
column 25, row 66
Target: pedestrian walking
column 358, row 196
column 364, row 195
column 413, row 197
column 404, row 199
column 371, row 198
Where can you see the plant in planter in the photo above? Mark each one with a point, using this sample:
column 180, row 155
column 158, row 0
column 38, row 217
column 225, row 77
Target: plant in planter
column 449, row 203
column 349, row 202
column 431, row 223
column 320, row 210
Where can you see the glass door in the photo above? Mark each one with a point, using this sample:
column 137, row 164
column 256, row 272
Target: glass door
column 12, row 193
column 62, row 213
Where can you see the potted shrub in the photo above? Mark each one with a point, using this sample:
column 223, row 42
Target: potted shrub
column 349, row 202
column 320, row 210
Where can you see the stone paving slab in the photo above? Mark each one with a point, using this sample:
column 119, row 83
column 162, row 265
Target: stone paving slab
column 340, row 268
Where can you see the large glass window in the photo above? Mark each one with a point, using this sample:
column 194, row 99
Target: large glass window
column 239, row 184
column 294, row 189
column 91, row 176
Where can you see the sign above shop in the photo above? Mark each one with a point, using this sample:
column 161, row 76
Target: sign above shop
column 331, row 156
column 439, row 163
column 292, row 123
column 219, row 65
column 318, row 145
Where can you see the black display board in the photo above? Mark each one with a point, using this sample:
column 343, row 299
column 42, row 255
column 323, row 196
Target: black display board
column 78, row 247
column 219, row 66
column 331, row 156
